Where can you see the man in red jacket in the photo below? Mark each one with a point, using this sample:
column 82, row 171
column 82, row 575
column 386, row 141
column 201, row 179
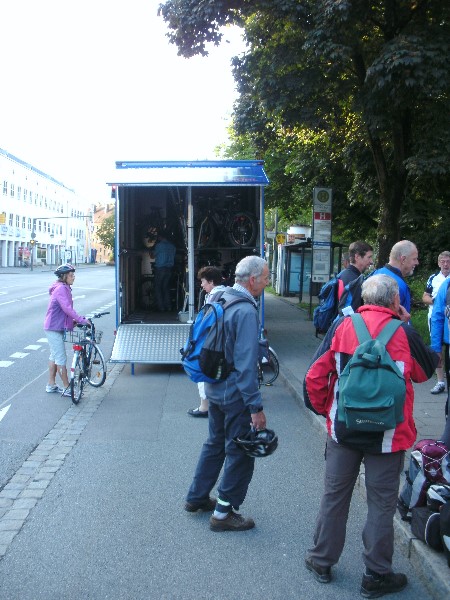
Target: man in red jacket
column 382, row 451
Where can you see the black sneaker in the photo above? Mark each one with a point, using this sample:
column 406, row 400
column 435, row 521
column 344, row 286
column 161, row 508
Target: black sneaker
column 232, row 522
column 321, row 574
column 375, row 586
column 206, row 506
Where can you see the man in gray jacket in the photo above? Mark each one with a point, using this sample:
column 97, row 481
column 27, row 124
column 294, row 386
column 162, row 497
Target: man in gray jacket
column 234, row 406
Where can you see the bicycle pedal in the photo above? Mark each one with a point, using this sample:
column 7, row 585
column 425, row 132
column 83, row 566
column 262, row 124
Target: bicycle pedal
column 95, row 362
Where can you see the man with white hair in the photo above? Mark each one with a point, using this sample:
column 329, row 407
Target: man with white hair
column 403, row 259
column 235, row 405
column 346, row 448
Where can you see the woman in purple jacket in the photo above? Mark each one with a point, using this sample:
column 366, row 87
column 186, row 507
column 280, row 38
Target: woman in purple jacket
column 60, row 317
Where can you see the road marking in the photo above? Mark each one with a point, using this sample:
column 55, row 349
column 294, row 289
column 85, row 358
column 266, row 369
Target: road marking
column 43, row 340
column 19, row 355
column 35, row 296
column 78, row 297
column 6, row 363
column 32, row 347
column 9, row 302
column 3, row 411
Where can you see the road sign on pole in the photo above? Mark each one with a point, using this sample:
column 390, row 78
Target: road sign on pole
column 321, row 235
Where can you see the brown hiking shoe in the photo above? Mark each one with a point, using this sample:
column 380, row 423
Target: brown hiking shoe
column 233, row 522
column 206, row 506
column 322, row 574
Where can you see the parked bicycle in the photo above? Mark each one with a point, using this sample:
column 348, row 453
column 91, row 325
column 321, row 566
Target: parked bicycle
column 268, row 364
column 238, row 228
column 88, row 363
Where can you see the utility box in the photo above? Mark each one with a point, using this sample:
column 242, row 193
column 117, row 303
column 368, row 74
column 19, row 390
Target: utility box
column 212, row 211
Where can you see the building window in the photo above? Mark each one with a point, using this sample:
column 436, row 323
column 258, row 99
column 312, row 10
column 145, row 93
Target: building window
column 5, row 188
column 11, row 217
column 19, row 192
column 12, row 190
column 40, row 225
column 29, row 223
column 17, row 221
column 23, row 222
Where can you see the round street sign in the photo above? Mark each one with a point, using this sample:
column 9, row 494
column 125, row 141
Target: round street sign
column 281, row 238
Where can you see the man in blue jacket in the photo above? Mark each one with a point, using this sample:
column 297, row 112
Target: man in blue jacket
column 235, row 405
column 403, row 259
column 439, row 323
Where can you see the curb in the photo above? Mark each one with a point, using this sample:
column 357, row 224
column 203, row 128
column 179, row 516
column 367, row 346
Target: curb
column 430, row 566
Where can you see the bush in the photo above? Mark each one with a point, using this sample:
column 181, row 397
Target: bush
column 419, row 310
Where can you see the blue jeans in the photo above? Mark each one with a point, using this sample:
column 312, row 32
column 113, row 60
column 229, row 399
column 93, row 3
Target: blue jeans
column 225, row 422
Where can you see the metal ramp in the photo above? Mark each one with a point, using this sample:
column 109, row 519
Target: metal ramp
column 149, row 343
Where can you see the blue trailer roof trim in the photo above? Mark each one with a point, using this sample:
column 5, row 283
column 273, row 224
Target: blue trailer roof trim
column 189, row 173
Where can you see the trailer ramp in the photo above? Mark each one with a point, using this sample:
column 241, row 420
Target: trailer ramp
column 149, row 343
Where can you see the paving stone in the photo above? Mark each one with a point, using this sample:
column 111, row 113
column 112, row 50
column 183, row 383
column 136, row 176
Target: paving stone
column 17, row 514
column 27, row 503
column 11, row 525
column 32, row 493
column 6, row 537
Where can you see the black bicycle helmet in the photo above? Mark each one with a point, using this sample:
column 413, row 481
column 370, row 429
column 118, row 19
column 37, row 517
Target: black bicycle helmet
column 258, row 443
column 437, row 496
column 63, row 269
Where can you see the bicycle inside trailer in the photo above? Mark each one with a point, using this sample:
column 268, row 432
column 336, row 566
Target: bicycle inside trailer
column 211, row 211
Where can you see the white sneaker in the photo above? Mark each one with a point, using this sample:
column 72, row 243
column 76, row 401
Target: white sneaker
column 66, row 393
column 52, row 389
column 438, row 388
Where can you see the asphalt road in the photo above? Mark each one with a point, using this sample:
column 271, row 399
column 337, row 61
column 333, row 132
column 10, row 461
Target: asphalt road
column 24, row 354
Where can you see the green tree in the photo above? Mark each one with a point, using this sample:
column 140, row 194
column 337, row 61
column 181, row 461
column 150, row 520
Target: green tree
column 106, row 232
column 351, row 94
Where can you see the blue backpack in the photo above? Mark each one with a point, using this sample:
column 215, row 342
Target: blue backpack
column 327, row 310
column 351, row 296
column 203, row 355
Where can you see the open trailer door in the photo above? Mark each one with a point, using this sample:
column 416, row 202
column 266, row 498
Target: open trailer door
column 212, row 211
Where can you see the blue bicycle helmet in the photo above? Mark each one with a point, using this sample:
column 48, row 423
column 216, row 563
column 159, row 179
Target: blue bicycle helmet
column 63, row 269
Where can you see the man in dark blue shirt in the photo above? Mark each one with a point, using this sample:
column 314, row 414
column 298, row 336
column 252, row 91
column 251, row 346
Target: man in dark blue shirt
column 164, row 254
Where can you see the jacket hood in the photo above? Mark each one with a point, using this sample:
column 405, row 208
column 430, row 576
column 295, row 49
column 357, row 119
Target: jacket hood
column 54, row 285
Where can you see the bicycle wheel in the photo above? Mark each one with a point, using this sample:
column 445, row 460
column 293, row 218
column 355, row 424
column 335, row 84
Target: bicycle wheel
column 269, row 368
column 243, row 229
column 206, row 234
column 77, row 379
column 96, row 371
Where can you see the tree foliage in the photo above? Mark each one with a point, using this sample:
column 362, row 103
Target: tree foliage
column 352, row 95
column 106, row 232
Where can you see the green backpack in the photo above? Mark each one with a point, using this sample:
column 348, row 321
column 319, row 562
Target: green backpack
column 372, row 389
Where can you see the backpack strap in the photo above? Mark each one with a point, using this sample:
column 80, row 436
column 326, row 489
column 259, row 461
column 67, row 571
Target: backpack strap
column 388, row 331
column 363, row 333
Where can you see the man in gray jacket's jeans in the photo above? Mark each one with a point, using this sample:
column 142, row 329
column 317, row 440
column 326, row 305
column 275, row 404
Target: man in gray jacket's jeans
column 234, row 406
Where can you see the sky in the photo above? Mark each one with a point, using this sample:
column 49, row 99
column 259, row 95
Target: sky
column 90, row 82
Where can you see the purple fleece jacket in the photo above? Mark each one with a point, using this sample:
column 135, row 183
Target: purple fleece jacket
column 60, row 314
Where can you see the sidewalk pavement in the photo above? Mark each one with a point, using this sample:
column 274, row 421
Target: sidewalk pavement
column 45, row 268
column 292, row 336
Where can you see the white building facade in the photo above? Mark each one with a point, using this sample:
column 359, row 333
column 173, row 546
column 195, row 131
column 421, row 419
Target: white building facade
column 41, row 220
